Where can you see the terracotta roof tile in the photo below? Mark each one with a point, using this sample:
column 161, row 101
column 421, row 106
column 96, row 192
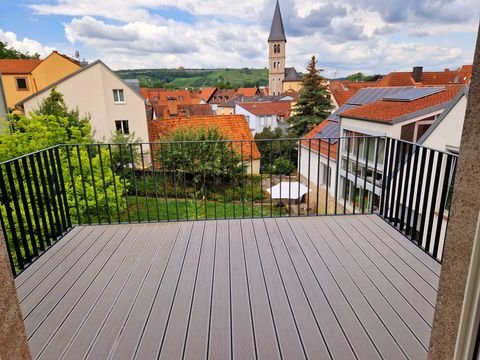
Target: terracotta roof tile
column 280, row 108
column 388, row 111
column 429, row 78
column 233, row 127
column 247, row 91
column 342, row 91
column 8, row 66
column 206, row 93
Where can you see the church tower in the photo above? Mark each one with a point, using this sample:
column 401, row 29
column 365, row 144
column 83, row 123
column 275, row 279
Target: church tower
column 276, row 54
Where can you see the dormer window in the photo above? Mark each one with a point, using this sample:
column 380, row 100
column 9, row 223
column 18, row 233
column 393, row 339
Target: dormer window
column 118, row 96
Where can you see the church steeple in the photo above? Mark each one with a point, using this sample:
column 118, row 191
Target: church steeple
column 276, row 53
column 277, row 32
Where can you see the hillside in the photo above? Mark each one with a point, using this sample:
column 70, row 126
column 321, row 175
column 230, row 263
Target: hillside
column 194, row 78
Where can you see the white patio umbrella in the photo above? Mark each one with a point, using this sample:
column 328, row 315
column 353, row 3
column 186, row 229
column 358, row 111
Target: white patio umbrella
column 288, row 190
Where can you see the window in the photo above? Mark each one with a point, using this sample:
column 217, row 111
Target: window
column 21, row 83
column 118, row 96
column 122, row 126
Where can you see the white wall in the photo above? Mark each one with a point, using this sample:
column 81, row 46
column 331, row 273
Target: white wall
column 254, row 120
column 311, row 161
column 449, row 131
column 91, row 92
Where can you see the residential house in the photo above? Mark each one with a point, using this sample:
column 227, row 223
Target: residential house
column 227, row 108
column 205, row 94
column 342, row 90
column 418, row 77
column 22, row 78
column 232, row 127
column 265, row 114
column 97, row 92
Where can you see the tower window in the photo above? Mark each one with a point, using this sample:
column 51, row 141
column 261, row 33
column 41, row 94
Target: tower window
column 274, row 64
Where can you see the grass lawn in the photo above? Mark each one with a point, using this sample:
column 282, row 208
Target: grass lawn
column 149, row 209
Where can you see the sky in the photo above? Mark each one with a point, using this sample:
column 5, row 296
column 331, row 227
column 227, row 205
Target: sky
column 371, row 36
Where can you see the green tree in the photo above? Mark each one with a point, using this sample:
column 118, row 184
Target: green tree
column 359, row 76
column 201, row 156
column 313, row 105
column 284, row 148
column 11, row 53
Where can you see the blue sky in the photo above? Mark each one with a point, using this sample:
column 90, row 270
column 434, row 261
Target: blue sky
column 373, row 36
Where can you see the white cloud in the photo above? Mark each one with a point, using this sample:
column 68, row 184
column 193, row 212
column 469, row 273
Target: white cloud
column 374, row 36
column 24, row 45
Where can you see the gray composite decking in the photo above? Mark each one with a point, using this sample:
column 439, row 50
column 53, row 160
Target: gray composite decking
column 340, row 287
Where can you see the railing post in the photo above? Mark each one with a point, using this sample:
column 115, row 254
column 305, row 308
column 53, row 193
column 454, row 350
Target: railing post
column 13, row 338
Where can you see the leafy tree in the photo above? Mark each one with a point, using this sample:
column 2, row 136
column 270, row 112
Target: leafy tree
column 272, row 150
column 359, row 76
column 11, row 53
column 282, row 165
column 200, row 156
column 313, row 106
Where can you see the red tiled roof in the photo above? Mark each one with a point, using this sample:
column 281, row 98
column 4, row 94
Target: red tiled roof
column 342, row 91
column 233, row 127
column 429, row 78
column 280, row 108
column 181, row 110
column 317, row 144
column 247, row 92
column 10, row 66
column 206, row 93
column 386, row 111
column 162, row 96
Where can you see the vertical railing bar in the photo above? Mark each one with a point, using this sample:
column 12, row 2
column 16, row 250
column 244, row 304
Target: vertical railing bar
column 290, row 179
column 31, row 194
column 308, row 175
column 235, row 181
column 154, row 173
column 63, row 189
column 41, row 203
column 26, row 210
column 252, row 180
column 425, row 199
column 393, row 192
column 401, row 181
column 50, row 183
column 74, row 186
column 405, row 185
column 114, row 182
column 223, row 181
column 132, row 159
column 327, row 185
column 299, row 171
column 11, row 222
column 214, row 180
column 319, row 155
column 174, row 169
column 337, row 174
column 87, row 207
column 192, row 156
column 413, row 187
column 165, row 181
column 205, row 204
column 107, row 205
column 450, row 190
column 385, row 176
column 123, row 164
column 375, row 166
column 270, row 169
column 46, row 196
column 434, row 200
column 58, row 192
column 94, row 185
column 184, row 179
column 419, row 192
column 355, row 190
column 144, row 181
column 243, row 178
column 367, row 139
column 346, row 178
column 16, row 205
column 443, row 198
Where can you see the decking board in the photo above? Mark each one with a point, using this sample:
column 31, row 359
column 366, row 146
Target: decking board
column 314, row 287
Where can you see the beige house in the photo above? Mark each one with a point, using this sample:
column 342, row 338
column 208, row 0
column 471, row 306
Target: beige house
column 96, row 91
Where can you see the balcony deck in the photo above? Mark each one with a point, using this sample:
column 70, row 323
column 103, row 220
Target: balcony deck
column 341, row 287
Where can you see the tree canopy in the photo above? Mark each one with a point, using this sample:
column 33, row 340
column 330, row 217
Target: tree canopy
column 313, row 105
column 11, row 53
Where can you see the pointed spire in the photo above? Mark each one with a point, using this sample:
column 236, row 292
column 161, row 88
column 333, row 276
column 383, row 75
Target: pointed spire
column 277, row 32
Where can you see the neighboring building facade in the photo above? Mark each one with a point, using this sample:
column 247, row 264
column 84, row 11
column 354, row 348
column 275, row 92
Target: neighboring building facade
column 265, row 114
column 22, row 78
column 96, row 91
column 232, row 127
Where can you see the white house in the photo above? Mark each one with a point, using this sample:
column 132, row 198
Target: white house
column 96, row 91
column 265, row 114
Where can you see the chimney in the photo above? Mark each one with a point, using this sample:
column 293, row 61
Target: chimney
column 83, row 63
column 417, row 73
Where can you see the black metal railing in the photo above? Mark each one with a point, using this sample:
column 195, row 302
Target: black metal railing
column 44, row 194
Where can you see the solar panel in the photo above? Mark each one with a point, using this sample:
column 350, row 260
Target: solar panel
column 369, row 95
column 332, row 130
column 413, row 94
column 335, row 116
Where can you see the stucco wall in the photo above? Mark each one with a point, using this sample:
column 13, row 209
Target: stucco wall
column 12, row 95
column 53, row 68
column 91, row 92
